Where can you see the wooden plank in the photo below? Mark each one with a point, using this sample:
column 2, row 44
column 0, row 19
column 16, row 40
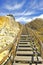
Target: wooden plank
column 7, row 56
column 25, row 48
column 33, row 64
column 24, row 53
column 23, row 45
column 23, row 58
column 23, row 42
column 28, row 45
column 20, row 64
column 39, row 64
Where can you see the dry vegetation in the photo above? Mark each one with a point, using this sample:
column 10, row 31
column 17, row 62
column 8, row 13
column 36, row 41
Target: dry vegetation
column 9, row 30
column 37, row 26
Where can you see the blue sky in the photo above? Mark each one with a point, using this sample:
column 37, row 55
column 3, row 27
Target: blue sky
column 23, row 10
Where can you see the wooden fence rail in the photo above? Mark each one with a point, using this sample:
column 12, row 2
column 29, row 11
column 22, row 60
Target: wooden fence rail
column 9, row 59
column 39, row 41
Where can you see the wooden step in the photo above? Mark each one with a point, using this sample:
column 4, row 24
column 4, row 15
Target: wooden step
column 20, row 64
column 23, row 42
column 23, row 53
column 25, row 64
column 24, row 48
column 33, row 64
column 39, row 64
column 27, row 45
column 23, row 58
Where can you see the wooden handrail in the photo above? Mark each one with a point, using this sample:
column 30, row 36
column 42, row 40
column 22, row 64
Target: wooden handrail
column 7, row 56
column 9, row 47
column 39, row 41
column 6, row 48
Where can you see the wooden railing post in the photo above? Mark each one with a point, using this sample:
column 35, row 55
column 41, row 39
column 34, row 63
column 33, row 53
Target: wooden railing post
column 42, row 50
column 39, row 41
column 9, row 59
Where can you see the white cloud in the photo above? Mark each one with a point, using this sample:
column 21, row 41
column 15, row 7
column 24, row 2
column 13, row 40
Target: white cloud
column 25, row 13
column 40, row 16
column 27, row 19
column 15, row 6
column 23, row 19
column 18, row 13
column 29, row 13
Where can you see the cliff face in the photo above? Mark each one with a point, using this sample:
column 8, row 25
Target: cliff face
column 37, row 26
column 8, row 30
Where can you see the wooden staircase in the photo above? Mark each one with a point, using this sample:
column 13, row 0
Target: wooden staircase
column 26, row 53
